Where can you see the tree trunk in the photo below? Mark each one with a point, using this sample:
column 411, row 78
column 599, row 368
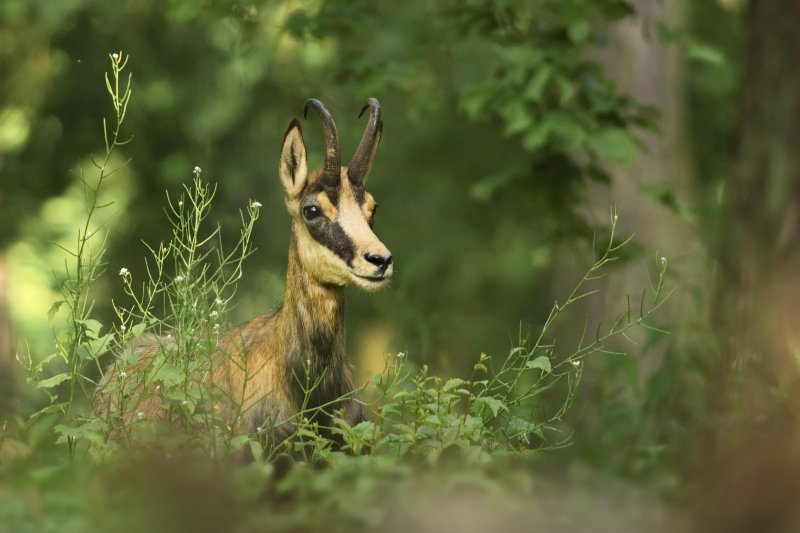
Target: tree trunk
column 756, row 304
column 649, row 71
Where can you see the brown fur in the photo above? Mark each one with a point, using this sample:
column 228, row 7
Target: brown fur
column 265, row 362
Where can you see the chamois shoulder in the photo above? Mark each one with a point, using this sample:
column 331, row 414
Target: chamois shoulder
column 248, row 333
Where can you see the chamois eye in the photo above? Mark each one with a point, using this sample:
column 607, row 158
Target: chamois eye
column 310, row 212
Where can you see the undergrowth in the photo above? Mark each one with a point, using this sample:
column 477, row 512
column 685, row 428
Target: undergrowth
column 507, row 409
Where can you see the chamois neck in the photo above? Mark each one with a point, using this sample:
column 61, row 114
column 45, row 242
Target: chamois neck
column 312, row 317
column 309, row 302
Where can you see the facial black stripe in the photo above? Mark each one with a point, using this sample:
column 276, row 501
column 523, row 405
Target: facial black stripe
column 332, row 236
column 360, row 194
column 333, row 195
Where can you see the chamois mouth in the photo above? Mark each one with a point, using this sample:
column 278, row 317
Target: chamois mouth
column 371, row 283
column 373, row 279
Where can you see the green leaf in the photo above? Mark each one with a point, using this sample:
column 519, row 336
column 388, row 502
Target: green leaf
column 495, row 405
column 520, row 426
column 53, row 381
column 93, row 431
column 94, row 348
column 542, row 362
column 91, row 327
column 238, row 442
column 485, row 188
column 566, row 129
column 453, row 383
column 476, row 98
column 705, row 54
column 516, row 117
column 434, row 420
column 615, row 144
column 169, row 374
column 364, row 429
column 54, row 309
column 138, row 329
column 538, row 83
column 536, row 137
column 579, row 30
column 256, row 450
column 558, row 126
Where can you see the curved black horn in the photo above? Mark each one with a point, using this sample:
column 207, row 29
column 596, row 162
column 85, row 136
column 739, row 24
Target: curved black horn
column 362, row 159
column 333, row 162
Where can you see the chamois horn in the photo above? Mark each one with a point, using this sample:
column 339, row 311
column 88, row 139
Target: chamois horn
column 333, row 162
column 362, row 160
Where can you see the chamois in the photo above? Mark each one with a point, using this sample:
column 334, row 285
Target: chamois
column 332, row 246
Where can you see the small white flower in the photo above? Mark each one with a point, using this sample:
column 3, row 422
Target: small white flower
column 255, row 204
column 197, row 171
column 115, row 56
column 123, row 374
column 213, row 314
column 158, row 388
column 123, row 271
column 216, row 327
column 180, row 203
column 576, row 364
column 179, row 278
column 218, row 301
column 663, row 260
column 400, row 355
column 169, row 336
column 123, row 327
column 140, row 414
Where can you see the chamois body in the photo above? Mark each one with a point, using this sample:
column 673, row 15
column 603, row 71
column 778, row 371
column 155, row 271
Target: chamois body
column 265, row 363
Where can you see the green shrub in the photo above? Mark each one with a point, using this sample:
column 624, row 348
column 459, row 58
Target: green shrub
column 179, row 305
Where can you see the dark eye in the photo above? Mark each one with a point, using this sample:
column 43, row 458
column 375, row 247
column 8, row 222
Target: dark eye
column 310, row 212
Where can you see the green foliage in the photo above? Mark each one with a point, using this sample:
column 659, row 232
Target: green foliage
column 497, row 118
column 82, row 342
column 418, row 415
column 522, row 64
column 463, row 85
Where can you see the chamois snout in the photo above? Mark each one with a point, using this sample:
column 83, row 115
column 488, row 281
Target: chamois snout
column 381, row 261
column 372, row 267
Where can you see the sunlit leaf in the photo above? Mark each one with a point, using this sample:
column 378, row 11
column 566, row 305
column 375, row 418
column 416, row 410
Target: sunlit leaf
column 54, row 380
column 542, row 362
column 615, row 144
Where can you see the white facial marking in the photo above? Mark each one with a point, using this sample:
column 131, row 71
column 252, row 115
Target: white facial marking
column 327, row 266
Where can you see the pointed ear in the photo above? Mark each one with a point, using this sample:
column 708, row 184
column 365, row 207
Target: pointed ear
column 293, row 165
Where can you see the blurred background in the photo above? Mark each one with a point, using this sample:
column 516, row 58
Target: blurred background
column 511, row 127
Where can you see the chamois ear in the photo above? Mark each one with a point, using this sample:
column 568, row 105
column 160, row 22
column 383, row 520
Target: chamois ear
column 293, row 166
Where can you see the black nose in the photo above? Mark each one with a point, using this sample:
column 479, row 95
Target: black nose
column 380, row 261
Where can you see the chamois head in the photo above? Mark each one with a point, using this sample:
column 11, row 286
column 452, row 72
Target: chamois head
column 332, row 214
